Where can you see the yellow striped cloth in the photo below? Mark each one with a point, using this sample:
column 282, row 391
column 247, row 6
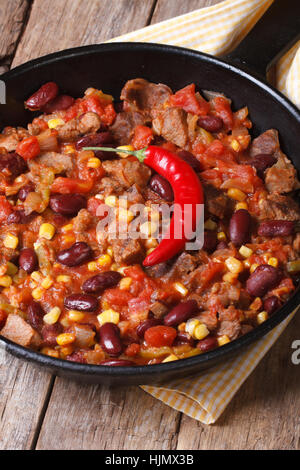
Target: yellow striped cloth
column 216, row 30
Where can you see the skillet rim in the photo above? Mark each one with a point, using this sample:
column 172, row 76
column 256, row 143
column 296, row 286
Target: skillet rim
column 206, row 359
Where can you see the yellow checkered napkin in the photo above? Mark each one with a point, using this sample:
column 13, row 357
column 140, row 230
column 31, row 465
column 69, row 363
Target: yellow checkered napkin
column 216, row 30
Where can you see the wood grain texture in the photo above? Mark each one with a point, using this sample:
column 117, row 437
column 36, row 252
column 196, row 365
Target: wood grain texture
column 12, row 17
column 55, row 25
column 264, row 414
column 166, row 9
column 97, row 418
column 23, row 391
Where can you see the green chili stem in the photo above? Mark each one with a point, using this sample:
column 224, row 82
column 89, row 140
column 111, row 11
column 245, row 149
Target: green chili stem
column 139, row 154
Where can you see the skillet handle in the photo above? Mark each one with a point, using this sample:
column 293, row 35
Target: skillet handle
column 270, row 38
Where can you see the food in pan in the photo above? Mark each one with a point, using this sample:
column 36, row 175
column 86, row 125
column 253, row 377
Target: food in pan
column 71, row 290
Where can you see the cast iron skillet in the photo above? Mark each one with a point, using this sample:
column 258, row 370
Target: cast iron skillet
column 109, row 66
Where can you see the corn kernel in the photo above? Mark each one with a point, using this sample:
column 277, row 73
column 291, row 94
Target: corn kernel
column 273, row 262
column 230, row 277
column 235, row 145
column 221, row 236
column 223, row 340
column 236, row 194
column 111, row 201
column 69, row 148
column 210, row 224
column 94, row 163
column 234, row 265
column 256, row 304
column 253, row 267
column 47, row 282
column 11, row 269
column 64, row 279
column 180, row 288
column 47, row 231
column 245, row 251
column 52, row 317
column 5, row 281
column 68, row 239
column 65, row 338
column 50, row 352
column 66, row 351
column 125, row 215
column 262, row 317
column 67, row 228
column 75, row 315
column 124, row 147
column 191, row 325
column 241, row 205
column 201, row 331
column 11, row 241
column 92, row 266
column 247, row 263
column 36, row 276
column 151, row 243
column 104, row 260
column 109, row 316
column 148, row 229
column 181, row 327
column 37, row 293
column 170, row 358
column 53, row 123
column 125, row 283
column 114, row 267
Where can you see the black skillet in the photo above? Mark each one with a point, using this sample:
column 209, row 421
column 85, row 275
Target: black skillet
column 109, row 66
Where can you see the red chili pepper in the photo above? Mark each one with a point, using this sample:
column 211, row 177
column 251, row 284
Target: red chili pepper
column 187, row 191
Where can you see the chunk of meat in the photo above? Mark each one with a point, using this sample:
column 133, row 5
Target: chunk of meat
column 209, row 318
column 85, row 124
column 281, row 177
column 278, row 207
column 19, row 331
column 158, row 309
column 11, row 137
column 216, row 201
column 144, row 96
column 183, row 266
column 128, row 251
column 60, row 162
column 124, row 125
column 82, row 221
column 266, row 143
column 134, row 195
column 128, row 172
column 172, row 125
column 110, row 185
column 230, row 328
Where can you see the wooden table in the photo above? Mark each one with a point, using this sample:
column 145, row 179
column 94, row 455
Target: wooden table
column 40, row 411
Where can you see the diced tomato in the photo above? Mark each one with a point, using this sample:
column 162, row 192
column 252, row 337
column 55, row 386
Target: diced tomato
column 43, row 125
column 142, row 137
column 93, row 103
column 210, row 273
column 93, row 204
column 186, row 99
column 158, row 336
column 132, row 350
column 29, row 148
column 223, row 110
column 5, row 209
column 135, row 272
column 117, row 297
column 71, row 185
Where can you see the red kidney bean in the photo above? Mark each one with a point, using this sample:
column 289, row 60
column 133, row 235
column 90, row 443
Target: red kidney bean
column 222, row 245
column 67, row 204
column 49, row 334
column 43, row 96
column 77, row 254
column 35, row 315
column 60, row 103
column 110, row 340
column 77, row 356
column 207, row 344
column 271, row 304
column 209, row 241
column 23, row 193
column 183, row 338
column 19, row 217
column 144, row 325
column 189, row 158
column 81, row 302
column 276, row 228
column 181, row 313
column 162, row 187
column 210, row 123
column 101, row 281
column 264, row 278
column 13, row 164
column 261, row 162
column 117, row 363
column 28, row 260
column 239, row 227
column 101, row 139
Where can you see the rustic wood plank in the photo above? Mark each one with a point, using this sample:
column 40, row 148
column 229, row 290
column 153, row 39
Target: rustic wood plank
column 166, row 9
column 97, row 418
column 12, row 14
column 23, row 390
column 264, row 415
column 58, row 25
